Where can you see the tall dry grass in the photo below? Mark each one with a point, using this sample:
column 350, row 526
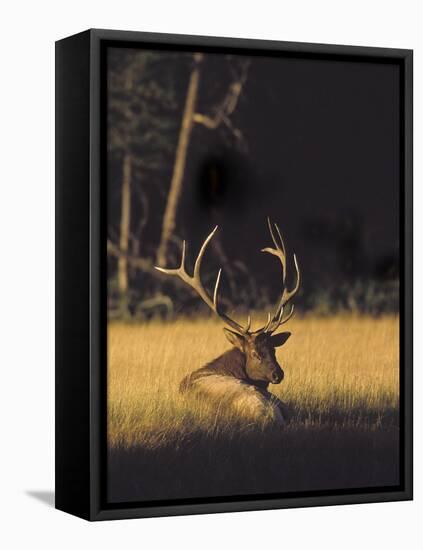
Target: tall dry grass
column 341, row 384
column 341, row 370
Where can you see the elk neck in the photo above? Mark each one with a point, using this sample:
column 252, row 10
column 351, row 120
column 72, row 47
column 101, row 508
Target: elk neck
column 232, row 363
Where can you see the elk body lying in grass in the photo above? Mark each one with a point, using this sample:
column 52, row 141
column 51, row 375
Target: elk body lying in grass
column 239, row 378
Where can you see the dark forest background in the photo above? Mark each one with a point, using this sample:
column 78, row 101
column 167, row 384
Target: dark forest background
column 197, row 140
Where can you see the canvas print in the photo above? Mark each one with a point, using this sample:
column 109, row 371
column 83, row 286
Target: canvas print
column 253, row 252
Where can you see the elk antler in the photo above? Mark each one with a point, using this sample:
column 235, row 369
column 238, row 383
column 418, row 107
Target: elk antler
column 273, row 322
column 194, row 282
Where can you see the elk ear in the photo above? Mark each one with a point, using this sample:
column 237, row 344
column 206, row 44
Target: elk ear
column 279, row 339
column 235, row 339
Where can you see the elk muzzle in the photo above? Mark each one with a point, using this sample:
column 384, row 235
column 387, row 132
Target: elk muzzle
column 277, row 375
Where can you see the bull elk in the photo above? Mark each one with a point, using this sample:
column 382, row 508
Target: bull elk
column 239, row 378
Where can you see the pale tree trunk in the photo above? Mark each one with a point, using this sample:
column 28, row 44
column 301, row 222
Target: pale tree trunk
column 125, row 220
column 169, row 219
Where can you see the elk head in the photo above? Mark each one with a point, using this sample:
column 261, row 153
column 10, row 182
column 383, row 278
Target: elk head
column 258, row 346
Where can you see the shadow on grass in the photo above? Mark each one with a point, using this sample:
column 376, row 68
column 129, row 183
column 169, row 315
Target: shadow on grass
column 297, row 458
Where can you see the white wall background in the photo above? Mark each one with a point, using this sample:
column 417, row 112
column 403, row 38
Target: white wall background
column 27, row 36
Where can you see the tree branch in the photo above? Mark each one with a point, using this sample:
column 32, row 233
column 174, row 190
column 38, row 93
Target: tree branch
column 144, row 264
column 224, row 111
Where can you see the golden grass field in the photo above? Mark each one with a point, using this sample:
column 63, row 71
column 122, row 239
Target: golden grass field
column 341, row 384
column 343, row 364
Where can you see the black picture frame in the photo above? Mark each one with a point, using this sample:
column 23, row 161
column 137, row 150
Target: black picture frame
column 80, row 287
